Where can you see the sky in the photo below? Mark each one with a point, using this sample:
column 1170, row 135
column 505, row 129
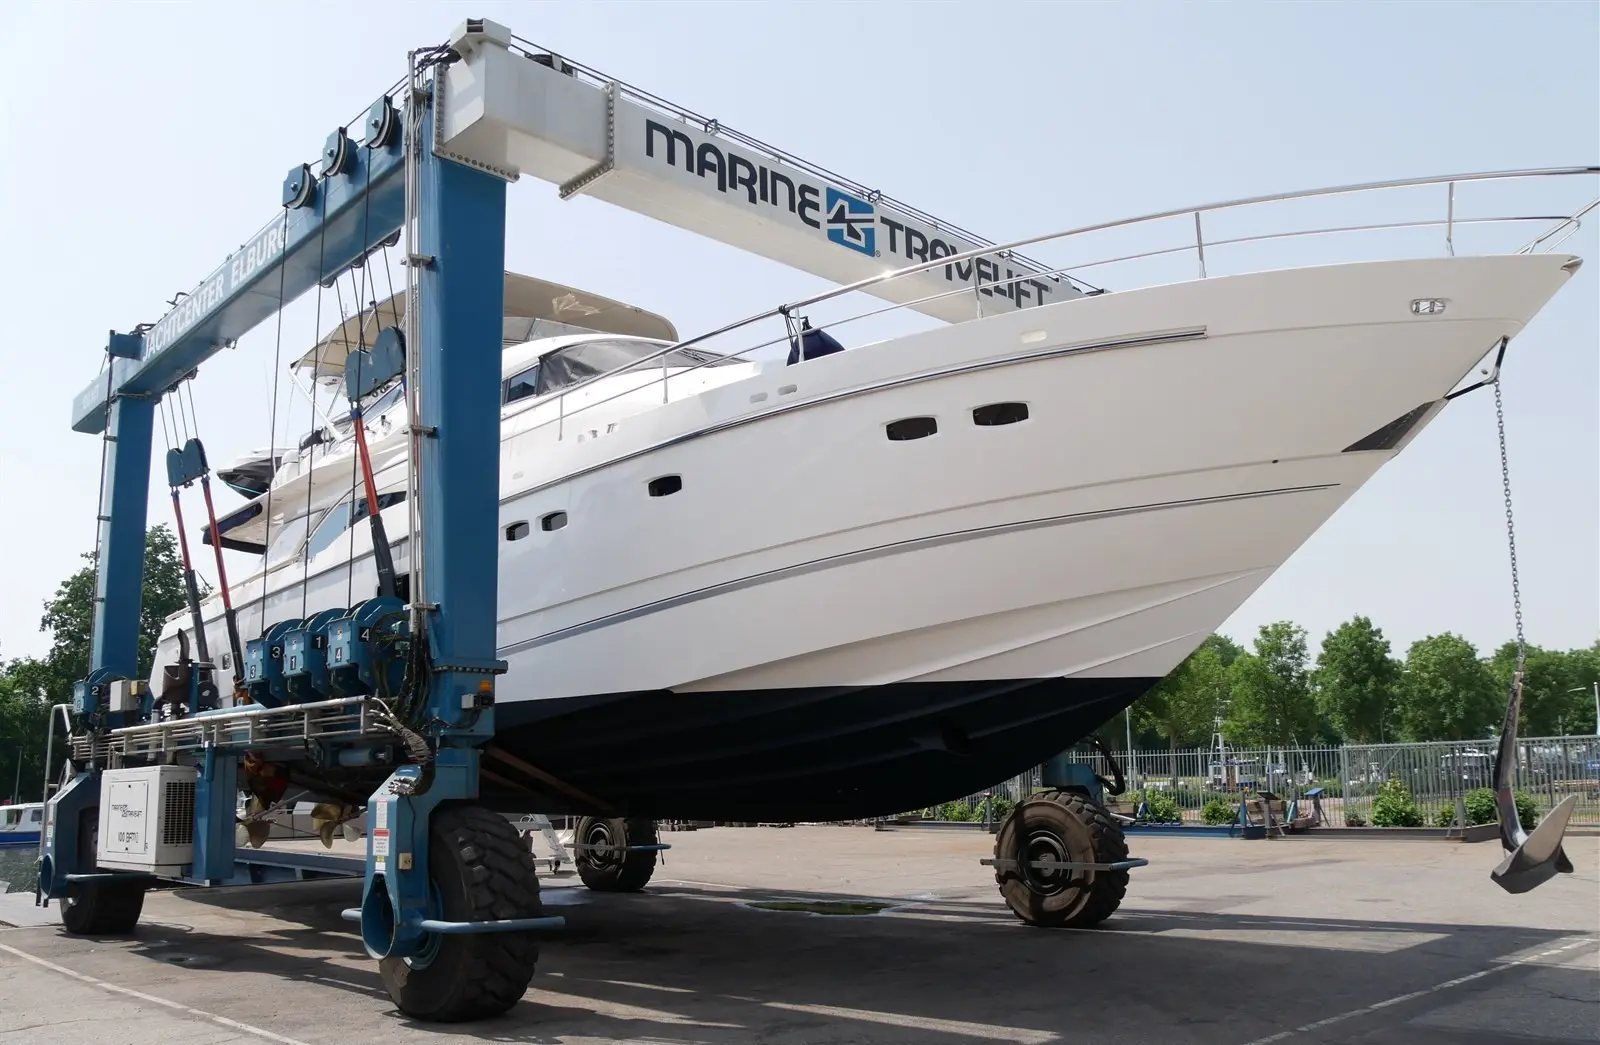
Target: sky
column 140, row 147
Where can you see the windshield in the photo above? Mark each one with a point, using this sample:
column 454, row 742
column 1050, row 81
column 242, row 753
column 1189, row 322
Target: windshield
column 286, row 542
column 568, row 366
column 338, row 520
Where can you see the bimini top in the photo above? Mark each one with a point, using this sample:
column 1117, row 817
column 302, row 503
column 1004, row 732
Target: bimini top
column 530, row 302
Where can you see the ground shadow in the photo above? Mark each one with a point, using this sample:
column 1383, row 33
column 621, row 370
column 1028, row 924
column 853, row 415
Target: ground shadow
column 679, row 964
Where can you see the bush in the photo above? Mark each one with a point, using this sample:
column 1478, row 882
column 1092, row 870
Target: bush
column 1161, row 808
column 1481, row 809
column 1002, row 808
column 953, row 810
column 1394, row 806
column 1218, row 812
column 1354, row 820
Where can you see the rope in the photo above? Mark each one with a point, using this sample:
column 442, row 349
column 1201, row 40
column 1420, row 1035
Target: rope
column 1511, row 536
column 272, row 428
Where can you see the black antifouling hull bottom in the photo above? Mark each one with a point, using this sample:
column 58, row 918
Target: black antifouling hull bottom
column 792, row 754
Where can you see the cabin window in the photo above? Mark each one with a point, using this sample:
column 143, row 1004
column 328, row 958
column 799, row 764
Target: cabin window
column 36, row 817
column 999, row 414
column 522, row 386
column 13, row 817
column 911, row 428
column 667, row 484
column 338, row 520
column 553, row 521
column 517, row 530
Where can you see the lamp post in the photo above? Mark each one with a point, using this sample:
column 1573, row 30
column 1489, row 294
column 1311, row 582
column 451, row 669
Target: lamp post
column 1579, row 689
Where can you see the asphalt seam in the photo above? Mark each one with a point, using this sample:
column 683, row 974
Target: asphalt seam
column 186, row 1010
column 1400, row 999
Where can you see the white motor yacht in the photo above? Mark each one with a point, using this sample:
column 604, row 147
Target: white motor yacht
column 855, row 584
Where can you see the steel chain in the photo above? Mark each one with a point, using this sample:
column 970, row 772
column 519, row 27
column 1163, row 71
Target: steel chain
column 1511, row 530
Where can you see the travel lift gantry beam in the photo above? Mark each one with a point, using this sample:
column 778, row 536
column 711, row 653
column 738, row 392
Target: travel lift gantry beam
column 475, row 114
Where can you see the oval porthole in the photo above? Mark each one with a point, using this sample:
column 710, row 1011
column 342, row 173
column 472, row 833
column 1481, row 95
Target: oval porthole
column 1000, row 414
column 667, row 484
column 553, row 521
column 911, row 428
column 517, row 530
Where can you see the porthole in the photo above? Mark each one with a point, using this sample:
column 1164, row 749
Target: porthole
column 517, row 530
column 911, row 428
column 1000, row 414
column 553, row 521
column 666, row 485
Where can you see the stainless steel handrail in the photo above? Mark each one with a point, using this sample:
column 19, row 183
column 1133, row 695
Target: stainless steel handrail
column 1570, row 223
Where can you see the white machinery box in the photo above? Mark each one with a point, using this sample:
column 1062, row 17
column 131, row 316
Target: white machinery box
column 147, row 819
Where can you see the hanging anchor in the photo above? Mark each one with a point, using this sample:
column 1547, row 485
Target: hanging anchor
column 1533, row 858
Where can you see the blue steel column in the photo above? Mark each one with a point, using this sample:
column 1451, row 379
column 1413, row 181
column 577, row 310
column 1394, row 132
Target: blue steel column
column 119, row 578
column 463, row 226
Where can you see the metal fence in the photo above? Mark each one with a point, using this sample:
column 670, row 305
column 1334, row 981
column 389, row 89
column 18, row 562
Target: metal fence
column 1435, row 774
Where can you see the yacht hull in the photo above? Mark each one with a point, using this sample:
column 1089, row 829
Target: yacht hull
column 818, row 620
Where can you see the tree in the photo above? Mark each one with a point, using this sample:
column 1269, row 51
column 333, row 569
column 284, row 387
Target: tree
column 23, row 714
column 1225, row 648
column 1182, row 706
column 69, row 616
column 28, row 687
column 1446, row 692
column 1272, row 701
column 1355, row 680
column 1556, row 694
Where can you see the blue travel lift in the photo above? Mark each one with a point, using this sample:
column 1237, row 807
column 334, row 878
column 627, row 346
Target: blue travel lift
column 428, row 842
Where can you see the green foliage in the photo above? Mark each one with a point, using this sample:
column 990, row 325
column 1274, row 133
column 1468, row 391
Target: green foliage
column 29, row 686
column 69, row 616
column 1225, row 648
column 1002, row 808
column 1480, row 807
column 1219, row 812
column 1557, row 698
column 1354, row 820
column 1447, row 693
column 1181, row 707
column 1394, row 806
column 1161, row 807
column 1355, row 680
column 1272, row 701
column 955, row 809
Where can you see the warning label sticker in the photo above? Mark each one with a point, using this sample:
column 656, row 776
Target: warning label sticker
column 380, row 841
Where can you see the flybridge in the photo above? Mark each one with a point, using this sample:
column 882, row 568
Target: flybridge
column 518, row 112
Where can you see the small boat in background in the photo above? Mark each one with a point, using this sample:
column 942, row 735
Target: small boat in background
column 20, row 825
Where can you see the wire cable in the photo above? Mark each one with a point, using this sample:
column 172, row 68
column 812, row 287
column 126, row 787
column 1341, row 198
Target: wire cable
column 310, row 451
column 272, row 427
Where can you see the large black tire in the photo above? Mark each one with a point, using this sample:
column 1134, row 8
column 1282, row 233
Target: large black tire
column 481, row 871
column 1065, row 826
column 102, row 908
column 99, row 908
column 615, row 870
